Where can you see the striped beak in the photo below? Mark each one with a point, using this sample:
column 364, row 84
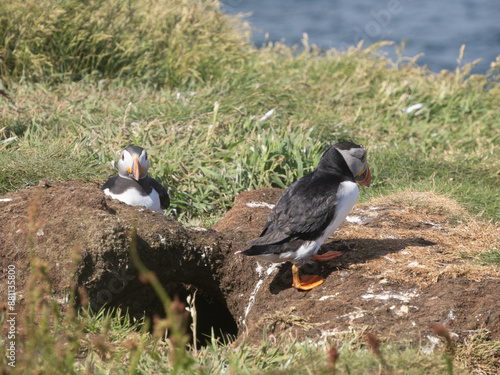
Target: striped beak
column 136, row 173
column 364, row 177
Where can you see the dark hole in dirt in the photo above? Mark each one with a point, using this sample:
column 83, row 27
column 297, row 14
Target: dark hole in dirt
column 214, row 315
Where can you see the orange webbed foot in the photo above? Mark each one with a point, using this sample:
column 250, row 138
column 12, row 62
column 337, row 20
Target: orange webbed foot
column 327, row 256
column 307, row 282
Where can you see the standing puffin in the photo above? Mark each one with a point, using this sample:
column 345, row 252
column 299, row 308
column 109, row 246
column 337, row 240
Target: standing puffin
column 133, row 185
column 311, row 209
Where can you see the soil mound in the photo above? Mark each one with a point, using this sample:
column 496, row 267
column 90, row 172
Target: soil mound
column 409, row 260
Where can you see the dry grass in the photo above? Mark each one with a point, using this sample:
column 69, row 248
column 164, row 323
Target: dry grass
column 424, row 202
column 445, row 241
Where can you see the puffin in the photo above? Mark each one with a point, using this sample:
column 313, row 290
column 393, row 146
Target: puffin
column 310, row 210
column 133, row 185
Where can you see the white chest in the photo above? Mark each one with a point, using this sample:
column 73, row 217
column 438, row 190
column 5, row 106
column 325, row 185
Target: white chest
column 134, row 198
column 347, row 193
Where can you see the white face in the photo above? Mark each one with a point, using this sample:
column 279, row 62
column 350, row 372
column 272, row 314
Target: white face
column 133, row 163
column 356, row 160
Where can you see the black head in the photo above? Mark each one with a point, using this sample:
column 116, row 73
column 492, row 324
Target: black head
column 344, row 157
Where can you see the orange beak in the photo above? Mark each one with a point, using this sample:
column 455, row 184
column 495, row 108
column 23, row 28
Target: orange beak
column 367, row 177
column 136, row 169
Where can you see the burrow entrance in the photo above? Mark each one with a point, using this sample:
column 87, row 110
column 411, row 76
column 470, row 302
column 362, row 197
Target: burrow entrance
column 213, row 317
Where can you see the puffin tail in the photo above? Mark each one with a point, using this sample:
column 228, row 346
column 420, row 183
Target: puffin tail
column 254, row 250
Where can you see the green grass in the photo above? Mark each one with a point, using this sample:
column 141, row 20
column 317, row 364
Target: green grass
column 490, row 257
column 180, row 79
column 486, row 257
column 206, row 157
column 110, row 343
column 55, row 160
column 161, row 43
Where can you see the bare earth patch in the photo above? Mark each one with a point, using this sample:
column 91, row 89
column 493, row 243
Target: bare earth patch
column 409, row 260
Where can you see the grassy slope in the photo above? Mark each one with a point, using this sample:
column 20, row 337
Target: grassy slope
column 195, row 103
column 214, row 138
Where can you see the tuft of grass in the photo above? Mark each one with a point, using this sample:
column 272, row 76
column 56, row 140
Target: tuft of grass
column 486, row 257
column 268, row 157
column 490, row 257
column 281, row 320
column 25, row 165
column 480, row 352
column 162, row 43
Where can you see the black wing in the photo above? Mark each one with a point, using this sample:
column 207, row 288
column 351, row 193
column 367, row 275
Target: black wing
column 109, row 184
column 304, row 210
column 162, row 192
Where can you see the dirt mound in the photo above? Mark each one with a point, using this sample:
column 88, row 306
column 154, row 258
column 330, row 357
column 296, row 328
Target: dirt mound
column 409, row 260
column 76, row 220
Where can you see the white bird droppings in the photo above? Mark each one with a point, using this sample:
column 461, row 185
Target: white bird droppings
column 354, row 315
column 403, row 310
column 251, row 300
column 434, row 342
column 272, row 268
column 324, row 298
column 163, row 241
column 405, row 297
column 354, row 219
column 259, row 269
column 260, row 204
column 261, row 272
column 451, row 315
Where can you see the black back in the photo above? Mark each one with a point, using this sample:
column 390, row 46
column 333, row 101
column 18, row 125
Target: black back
column 305, row 209
column 162, row 192
column 118, row 185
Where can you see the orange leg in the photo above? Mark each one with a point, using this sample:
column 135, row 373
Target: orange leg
column 308, row 282
column 327, row 256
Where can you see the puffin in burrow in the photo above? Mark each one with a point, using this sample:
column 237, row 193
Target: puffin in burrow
column 310, row 210
column 133, row 184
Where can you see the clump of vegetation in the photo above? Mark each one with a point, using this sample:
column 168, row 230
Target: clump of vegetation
column 162, row 43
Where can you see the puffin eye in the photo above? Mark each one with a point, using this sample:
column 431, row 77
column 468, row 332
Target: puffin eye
column 123, row 157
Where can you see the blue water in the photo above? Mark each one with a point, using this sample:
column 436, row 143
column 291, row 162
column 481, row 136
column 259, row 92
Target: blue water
column 436, row 28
